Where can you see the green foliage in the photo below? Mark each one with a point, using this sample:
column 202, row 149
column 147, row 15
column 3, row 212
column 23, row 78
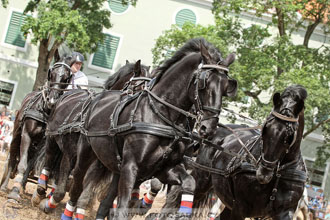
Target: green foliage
column 77, row 24
column 4, row 3
column 268, row 63
column 174, row 38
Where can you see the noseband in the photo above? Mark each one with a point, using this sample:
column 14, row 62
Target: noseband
column 270, row 165
column 47, row 87
column 56, row 65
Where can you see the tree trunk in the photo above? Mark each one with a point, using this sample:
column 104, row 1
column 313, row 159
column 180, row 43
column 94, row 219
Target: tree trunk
column 281, row 30
column 45, row 58
column 44, row 62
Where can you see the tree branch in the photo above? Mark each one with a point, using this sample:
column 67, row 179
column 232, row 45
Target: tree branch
column 254, row 95
column 317, row 20
column 280, row 22
column 315, row 127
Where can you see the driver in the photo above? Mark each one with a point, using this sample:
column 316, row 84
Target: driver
column 78, row 77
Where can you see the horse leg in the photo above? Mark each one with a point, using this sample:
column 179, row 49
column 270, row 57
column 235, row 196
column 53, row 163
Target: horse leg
column 22, row 165
column 51, row 152
column 148, row 199
column 284, row 215
column 225, row 214
column 107, row 203
column 48, row 205
column 11, row 161
column 7, row 168
column 85, row 157
column 126, row 184
column 182, row 184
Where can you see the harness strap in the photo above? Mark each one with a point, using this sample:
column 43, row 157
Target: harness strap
column 283, row 117
column 188, row 114
column 136, row 127
column 253, row 159
column 212, row 66
column 36, row 115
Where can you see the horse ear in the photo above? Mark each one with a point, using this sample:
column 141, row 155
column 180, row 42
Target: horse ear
column 205, row 54
column 127, row 62
column 277, row 100
column 137, row 68
column 229, row 59
column 231, row 88
column 57, row 56
column 300, row 107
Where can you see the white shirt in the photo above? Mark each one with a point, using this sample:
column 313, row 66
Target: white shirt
column 79, row 78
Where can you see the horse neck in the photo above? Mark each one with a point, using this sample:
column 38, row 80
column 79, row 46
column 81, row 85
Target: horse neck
column 119, row 84
column 176, row 83
column 295, row 152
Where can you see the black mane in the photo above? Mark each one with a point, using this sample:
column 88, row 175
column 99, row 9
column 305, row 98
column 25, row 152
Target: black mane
column 193, row 45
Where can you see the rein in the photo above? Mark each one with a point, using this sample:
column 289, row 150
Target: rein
column 58, row 83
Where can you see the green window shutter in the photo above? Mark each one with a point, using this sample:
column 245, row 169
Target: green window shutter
column 185, row 15
column 14, row 35
column 6, row 92
column 106, row 52
column 117, row 6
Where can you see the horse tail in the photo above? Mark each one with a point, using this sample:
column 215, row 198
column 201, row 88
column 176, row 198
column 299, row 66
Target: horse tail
column 173, row 197
column 202, row 207
column 99, row 177
column 39, row 160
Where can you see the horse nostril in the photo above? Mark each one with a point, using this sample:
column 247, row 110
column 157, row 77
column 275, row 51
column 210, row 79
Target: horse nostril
column 202, row 131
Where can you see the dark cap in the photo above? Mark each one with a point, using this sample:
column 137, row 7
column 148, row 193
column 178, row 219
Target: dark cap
column 78, row 57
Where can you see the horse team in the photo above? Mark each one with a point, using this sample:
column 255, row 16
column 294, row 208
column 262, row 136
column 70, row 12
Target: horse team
column 140, row 128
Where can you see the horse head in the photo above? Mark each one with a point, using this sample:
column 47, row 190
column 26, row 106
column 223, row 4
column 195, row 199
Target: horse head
column 212, row 82
column 118, row 80
column 59, row 76
column 281, row 131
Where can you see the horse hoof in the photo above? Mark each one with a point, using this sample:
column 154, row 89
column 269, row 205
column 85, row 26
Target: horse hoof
column 4, row 189
column 152, row 216
column 14, row 204
column 36, row 198
column 43, row 206
column 14, row 195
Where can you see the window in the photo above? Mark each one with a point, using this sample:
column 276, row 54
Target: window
column 106, row 52
column 316, row 175
column 117, row 6
column 14, row 35
column 6, row 92
column 185, row 15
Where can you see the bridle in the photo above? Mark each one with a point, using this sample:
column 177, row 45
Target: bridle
column 48, row 85
column 57, row 65
column 292, row 124
column 200, row 81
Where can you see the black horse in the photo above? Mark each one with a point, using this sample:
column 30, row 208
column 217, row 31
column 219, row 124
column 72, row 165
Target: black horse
column 271, row 187
column 58, row 145
column 30, row 124
column 140, row 136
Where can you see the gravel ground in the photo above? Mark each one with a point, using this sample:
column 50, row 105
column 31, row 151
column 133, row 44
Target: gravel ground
column 25, row 210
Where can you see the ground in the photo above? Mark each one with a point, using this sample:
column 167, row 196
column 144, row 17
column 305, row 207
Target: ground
column 25, row 210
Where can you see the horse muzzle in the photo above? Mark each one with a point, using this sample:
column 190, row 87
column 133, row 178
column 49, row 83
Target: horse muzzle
column 264, row 175
column 208, row 127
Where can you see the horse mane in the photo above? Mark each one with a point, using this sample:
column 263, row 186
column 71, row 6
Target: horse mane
column 123, row 71
column 193, row 45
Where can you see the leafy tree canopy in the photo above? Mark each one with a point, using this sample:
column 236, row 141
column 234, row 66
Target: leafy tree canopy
column 4, row 3
column 76, row 23
column 269, row 58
